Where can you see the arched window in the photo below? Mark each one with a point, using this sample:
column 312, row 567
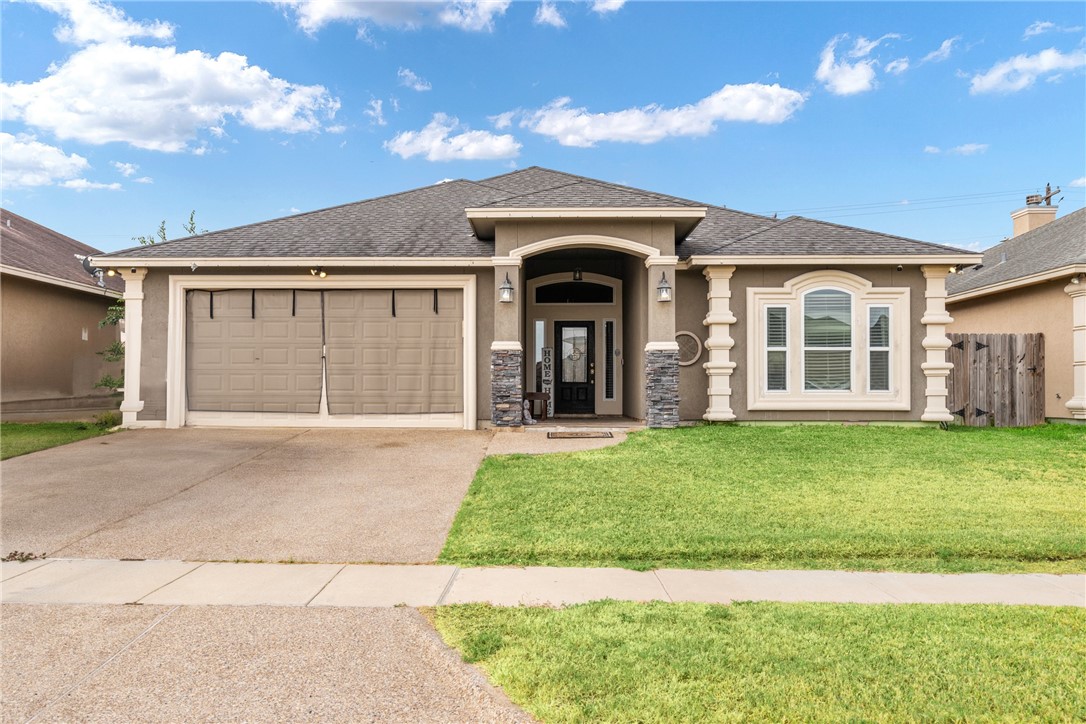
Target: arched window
column 828, row 340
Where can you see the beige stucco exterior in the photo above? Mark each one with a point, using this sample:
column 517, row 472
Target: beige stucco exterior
column 1044, row 308
column 50, row 343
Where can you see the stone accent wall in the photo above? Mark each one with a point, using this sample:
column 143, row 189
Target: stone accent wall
column 662, row 388
column 506, row 389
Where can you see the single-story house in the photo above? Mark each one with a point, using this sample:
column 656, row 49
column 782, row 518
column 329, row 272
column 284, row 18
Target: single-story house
column 1034, row 282
column 445, row 305
column 51, row 308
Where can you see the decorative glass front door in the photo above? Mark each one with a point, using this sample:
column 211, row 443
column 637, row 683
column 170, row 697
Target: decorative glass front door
column 575, row 381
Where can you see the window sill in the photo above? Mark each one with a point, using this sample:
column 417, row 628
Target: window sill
column 834, row 402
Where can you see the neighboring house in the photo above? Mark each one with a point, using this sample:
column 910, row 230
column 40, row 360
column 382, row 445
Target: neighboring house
column 1034, row 282
column 51, row 308
column 443, row 305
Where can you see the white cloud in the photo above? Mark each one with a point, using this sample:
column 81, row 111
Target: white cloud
column 474, row 15
column 1021, row 71
column 844, row 78
column 752, row 102
column 503, row 120
column 143, row 180
column 437, row 142
column 312, row 15
column 395, row 102
column 932, row 149
column 897, row 67
column 94, row 21
column 968, row 149
column 125, row 169
column 28, row 162
column 336, row 129
column 375, row 113
column 160, row 99
column 607, row 6
column 410, row 79
column 547, row 14
column 863, row 47
column 82, row 184
column 942, row 52
column 1040, row 27
column 1078, row 183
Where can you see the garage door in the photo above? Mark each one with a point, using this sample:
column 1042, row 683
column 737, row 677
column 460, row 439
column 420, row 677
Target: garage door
column 254, row 351
column 388, row 352
column 394, row 352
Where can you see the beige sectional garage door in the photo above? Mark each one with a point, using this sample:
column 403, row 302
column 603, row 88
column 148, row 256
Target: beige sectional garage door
column 394, row 352
column 388, row 352
column 254, row 351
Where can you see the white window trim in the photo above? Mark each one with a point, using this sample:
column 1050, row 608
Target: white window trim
column 614, row 362
column 864, row 294
column 787, row 352
column 177, row 414
column 889, row 348
column 562, row 277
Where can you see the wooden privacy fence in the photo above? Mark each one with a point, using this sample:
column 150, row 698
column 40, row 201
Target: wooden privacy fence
column 998, row 379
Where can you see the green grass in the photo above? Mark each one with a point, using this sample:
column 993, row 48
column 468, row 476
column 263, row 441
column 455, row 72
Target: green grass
column 21, row 438
column 611, row 661
column 861, row 498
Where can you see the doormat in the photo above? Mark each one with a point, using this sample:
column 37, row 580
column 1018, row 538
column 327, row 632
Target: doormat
column 565, row 435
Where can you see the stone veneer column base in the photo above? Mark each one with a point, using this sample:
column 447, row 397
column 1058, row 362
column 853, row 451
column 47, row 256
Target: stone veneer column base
column 662, row 387
column 506, row 390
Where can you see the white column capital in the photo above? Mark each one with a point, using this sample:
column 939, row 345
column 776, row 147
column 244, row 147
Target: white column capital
column 718, row 272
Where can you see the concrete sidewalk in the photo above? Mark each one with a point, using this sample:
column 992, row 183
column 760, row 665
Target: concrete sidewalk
column 172, row 583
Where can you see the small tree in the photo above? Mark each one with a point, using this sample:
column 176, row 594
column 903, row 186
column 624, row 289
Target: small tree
column 115, row 312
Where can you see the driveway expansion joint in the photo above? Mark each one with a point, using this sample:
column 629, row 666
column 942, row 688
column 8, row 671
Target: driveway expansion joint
column 448, row 586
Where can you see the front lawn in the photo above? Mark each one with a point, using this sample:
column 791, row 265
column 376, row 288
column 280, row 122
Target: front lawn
column 18, row 438
column 865, row 498
column 661, row 662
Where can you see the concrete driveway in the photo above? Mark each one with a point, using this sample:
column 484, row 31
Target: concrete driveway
column 336, row 496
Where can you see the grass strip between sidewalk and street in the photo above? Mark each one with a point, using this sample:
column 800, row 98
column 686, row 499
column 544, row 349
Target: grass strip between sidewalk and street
column 670, row 662
column 18, row 438
column 825, row 496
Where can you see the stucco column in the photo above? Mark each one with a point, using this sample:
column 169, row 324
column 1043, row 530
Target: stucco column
column 133, row 342
column 661, row 349
column 1077, row 404
column 936, row 368
column 507, row 350
column 719, row 344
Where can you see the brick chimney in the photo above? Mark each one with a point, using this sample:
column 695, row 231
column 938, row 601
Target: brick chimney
column 1034, row 214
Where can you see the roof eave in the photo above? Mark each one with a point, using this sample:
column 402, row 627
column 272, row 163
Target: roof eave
column 1018, row 282
column 290, row 261
column 951, row 259
column 57, row 281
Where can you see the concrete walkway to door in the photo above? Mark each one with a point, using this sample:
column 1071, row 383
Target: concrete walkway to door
column 313, row 495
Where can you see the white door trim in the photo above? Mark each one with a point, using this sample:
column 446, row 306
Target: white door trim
column 176, row 412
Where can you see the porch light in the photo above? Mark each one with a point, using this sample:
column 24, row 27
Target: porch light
column 505, row 291
column 318, row 272
column 1076, row 279
column 663, row 289
column 577, row 276
column 111, row 273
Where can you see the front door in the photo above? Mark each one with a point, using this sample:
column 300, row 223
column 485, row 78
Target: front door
column 575, row 378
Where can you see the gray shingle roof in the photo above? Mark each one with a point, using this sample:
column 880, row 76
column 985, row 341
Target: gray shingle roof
column 430, row 222
column 32, row 247
column 1059, row 243
column 796, row 235
column 590, row 194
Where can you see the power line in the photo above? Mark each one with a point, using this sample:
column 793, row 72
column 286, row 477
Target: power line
column 899, row 202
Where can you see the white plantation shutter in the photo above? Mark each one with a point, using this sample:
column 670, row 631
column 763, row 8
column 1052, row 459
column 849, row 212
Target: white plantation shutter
column 777, row 349
column 827, row 340
column 878, row 345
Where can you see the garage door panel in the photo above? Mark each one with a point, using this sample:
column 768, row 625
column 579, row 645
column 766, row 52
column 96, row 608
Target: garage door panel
column 396, row 353
column 254, row 351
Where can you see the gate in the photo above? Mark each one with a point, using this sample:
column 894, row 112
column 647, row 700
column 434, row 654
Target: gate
column 998, row 379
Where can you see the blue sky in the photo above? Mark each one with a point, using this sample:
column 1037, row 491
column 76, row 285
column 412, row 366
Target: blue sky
column 929, row 120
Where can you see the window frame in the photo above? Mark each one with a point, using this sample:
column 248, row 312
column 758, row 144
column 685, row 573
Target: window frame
column 864, row 295
column 889, row 348
column 767, row 348
column 804, row 347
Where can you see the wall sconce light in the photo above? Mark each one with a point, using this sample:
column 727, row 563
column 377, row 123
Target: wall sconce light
column 194, row 266
column 505, row 291
column 663, row 289
column 577, row 276
column 111, row 272
column 318, row 272
column 1076, row 279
